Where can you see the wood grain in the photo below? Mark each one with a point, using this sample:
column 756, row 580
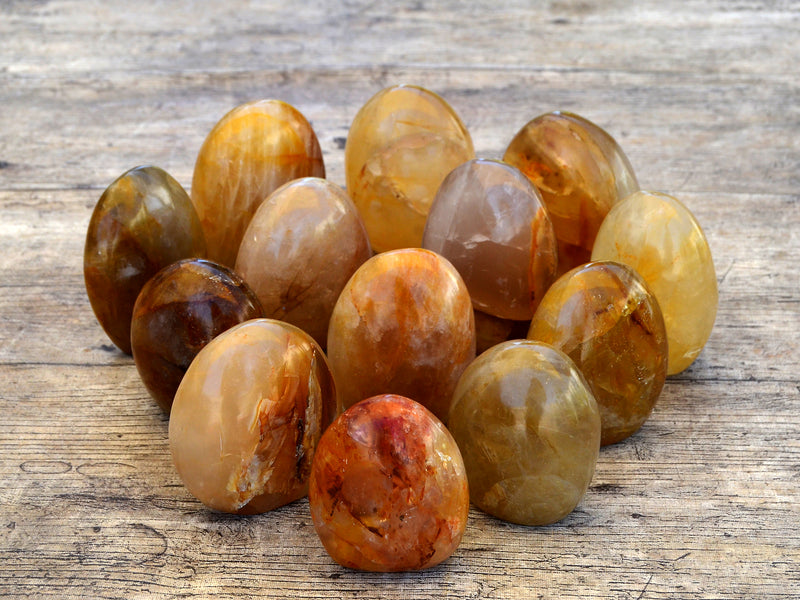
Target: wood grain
column 703, row 96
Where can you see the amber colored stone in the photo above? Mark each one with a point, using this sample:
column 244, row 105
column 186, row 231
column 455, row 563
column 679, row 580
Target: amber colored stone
column 143, row 222
column 388, row 490
column 603, row 316
column 302, row 245
column 489, row 221
column 402, row 325
column 180, row 310
column 250, row 152
column 529, row 431
column 581, row 172
column 248, row 415
column 660, row 238
column 401, row 145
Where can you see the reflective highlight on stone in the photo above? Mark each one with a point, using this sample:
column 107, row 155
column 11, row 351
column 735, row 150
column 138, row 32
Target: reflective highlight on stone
column 302, row 245
column 248, row 415
column 402, row 325
column 581, row 172
column 660, row 238
column 489, row 221
column 529, row 432
column 603, row 316
column 388, row 489
column 180, row 310
column 401, row 145
column 250, row 152
column 143, row 222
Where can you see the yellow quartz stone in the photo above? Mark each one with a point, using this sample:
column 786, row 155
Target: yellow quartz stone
column 660, row 238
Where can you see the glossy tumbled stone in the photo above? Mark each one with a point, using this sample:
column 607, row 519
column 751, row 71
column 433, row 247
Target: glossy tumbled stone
column 250, row 152
column 489, row 221
column 401, row 145
column 388, row 489
column 180, row 310
column 581, row 172
column 402, row 325
column 603, row 316
column 529, row 431
column 660, row 238
column 248, row 415
column 143, row 222
column 302, row 245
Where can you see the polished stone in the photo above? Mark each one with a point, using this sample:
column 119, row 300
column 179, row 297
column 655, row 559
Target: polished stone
column 402, row 325
column 489, row 221
column 603, row 316
column 143, row 222
column 388, row 488
column 581, row 172
column 250, row 152
column 180, row 310
column 529, row 431
column 248, row 415
column 660, row 238
column 302, row 245
column 401, row 145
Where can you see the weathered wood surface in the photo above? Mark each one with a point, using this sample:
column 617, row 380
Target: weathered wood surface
column 704, row 97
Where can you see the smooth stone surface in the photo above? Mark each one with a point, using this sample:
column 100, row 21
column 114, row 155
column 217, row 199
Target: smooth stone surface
column 402, row 325
column 603, row 316
column 250, row 152
column 388, row 487
column 401, row 145
column 302, row 245
column 248, row 415
column 660, row 238
column 529, row 431
column 581, row 172
column 180, row 310
column 143, row 222
column 489, row 221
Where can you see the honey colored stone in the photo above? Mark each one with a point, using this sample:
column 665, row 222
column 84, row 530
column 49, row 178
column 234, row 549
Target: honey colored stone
column 250, row 152
column 529, row 431
column 248, row 415
column 388, row 489
column 180, row 310
column 660, row 238
column 581, row 172
column 603, row 316
column 489, row 221
column 401, row 145
column 302, row 245
column 143, row 222
column 402, row 325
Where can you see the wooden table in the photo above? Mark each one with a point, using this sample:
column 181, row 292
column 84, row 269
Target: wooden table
column 704, row 96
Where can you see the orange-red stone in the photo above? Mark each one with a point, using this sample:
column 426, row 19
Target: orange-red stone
column 388, row 489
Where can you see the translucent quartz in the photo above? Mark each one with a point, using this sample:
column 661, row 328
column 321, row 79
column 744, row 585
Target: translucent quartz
column 401, row 145
column 581, row 172
column 489, row 221
column 302, row 245
column 660, row 238
column 603, row 316
column 402, row 325
column 143, row 222
column 180, row 310
column 248, row 415
column 529, row 431
column 388, row 489
column 250, row 152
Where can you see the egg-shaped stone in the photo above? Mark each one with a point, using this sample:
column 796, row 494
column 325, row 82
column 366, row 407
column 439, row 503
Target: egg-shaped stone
column 143, row 222
column 302, row 245
column 250, row 152
column 401, row 145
